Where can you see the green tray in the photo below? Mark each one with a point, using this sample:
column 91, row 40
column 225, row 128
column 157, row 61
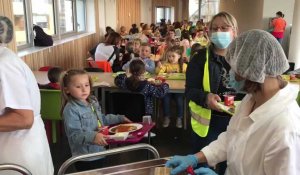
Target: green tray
column 146, row 74
column 172, row 76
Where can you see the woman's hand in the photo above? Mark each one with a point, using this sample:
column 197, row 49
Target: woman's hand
column 100, row 139
column 212, row 102
column 126, row 120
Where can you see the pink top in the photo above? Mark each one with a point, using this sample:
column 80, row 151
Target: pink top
column 279, row 25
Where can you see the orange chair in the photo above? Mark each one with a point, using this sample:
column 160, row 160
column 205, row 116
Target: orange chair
column 104, row 65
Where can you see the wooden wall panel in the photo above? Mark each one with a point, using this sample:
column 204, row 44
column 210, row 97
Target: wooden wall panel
column 68, row 55
column 128, row 12
column 6, row 9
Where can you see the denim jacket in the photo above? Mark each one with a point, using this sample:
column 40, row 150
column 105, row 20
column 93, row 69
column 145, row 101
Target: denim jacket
column 81, row 125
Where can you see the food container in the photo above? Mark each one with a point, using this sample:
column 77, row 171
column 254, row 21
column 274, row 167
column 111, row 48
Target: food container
column 120, row 136
column 228, row 100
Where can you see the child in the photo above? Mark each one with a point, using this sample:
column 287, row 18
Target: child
column 145, row 53
column 129, row 54
column 175, row 65
column 53, row 76
column 185, row 42
column 136, row 45
column 201, row 38
column 137, row 83
column 82, row 118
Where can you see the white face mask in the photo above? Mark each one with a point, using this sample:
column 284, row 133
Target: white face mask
column 221, row 39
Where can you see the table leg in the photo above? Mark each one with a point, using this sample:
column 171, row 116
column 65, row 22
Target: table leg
column 103, row 100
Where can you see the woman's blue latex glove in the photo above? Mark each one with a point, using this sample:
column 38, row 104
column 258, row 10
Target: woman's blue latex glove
column 204, row 171
column 181, row 163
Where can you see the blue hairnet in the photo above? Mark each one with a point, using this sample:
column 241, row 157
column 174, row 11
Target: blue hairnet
column 6, row 30
column 256, row 54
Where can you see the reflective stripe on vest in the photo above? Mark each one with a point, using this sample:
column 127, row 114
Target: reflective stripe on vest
column 201, row 116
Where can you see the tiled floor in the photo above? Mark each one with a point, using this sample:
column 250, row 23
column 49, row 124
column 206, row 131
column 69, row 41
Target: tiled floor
column 168, row 141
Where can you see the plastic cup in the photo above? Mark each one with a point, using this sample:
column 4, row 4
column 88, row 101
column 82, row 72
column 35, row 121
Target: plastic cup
column 228, row 100
column 292, row 76
column 147, row 119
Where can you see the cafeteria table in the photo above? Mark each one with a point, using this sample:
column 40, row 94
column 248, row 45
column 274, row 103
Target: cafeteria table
column 105, row 81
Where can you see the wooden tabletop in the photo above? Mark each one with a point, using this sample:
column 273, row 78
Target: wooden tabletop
column 106, row 79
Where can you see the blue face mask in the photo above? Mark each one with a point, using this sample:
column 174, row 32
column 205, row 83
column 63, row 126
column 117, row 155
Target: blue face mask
column 221, row 39
column 237, row 85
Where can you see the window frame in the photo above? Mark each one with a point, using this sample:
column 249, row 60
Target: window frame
column 28, row 18
column 164, row 9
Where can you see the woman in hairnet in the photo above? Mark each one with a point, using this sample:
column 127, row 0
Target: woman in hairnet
column 263, row 136
column 23, row 138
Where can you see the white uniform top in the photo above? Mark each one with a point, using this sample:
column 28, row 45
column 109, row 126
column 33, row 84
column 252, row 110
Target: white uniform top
column 103, row 53
column 265, row 142
column 18, row 90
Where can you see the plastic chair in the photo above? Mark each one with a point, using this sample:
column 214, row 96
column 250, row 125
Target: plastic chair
column 45, row 68
column 104, row 65
column 93, row 69
column 119, row 104
column 298, row 98
column 50, row 108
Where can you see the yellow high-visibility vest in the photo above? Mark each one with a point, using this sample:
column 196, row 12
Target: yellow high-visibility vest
column 201, row 116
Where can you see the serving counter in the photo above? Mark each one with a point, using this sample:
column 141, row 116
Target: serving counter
column 137, row 168
column 147, row 167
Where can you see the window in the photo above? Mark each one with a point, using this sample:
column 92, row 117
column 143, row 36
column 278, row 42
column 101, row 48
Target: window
column 208, row 8
column 163, row 13
column 80, row 9
column 43, row 16
column 66, row 18
column 20, row 22
column 57, row 17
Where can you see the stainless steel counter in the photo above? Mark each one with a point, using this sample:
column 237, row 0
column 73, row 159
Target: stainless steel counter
column 138, row 168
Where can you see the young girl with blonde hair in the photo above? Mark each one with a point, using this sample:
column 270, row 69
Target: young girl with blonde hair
column 174, row 64
column 83, row 117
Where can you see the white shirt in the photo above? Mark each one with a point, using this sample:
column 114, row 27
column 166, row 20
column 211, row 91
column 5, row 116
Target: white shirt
column 265, row 142
column 18, row 90
column 103, row 53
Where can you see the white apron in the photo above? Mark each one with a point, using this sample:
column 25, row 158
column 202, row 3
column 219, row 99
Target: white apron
column 18, row 90
column 28, row 148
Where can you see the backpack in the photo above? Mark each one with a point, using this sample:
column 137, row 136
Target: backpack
column 41, row 38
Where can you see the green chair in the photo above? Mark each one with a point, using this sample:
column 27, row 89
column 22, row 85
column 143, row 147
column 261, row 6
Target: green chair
column 50, row 108
column 298, row 98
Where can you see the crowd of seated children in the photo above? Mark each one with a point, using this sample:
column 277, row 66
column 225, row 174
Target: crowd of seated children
column 53, row 76
column 184, row 34
column 145, row 54
column 174, row 64
column 136, row 82
column 83, row 117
